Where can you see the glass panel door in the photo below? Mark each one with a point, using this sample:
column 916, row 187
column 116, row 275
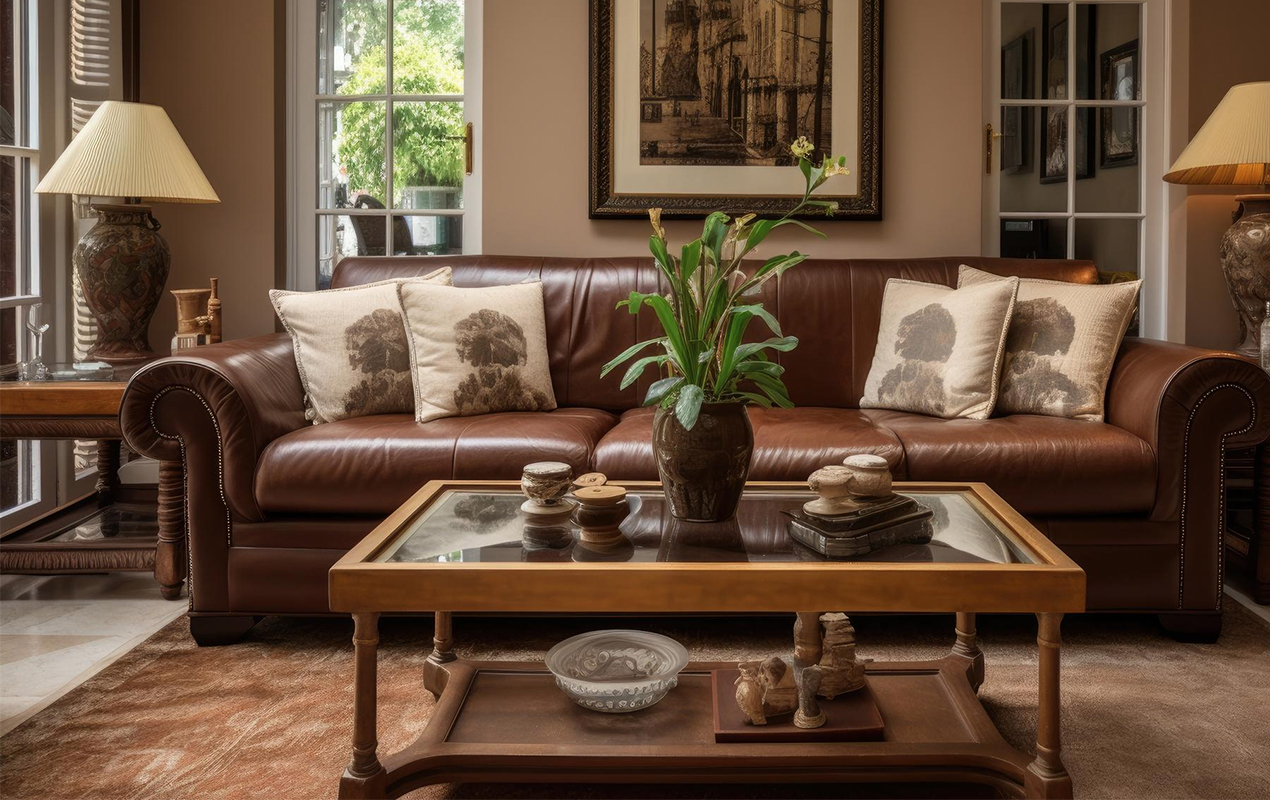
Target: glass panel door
column 1068, row 103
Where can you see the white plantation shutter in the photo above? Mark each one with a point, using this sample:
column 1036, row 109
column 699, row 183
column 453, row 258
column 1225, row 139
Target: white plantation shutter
column 96, row 75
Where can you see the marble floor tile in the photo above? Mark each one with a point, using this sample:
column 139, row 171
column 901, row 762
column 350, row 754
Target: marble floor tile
column 58, row 631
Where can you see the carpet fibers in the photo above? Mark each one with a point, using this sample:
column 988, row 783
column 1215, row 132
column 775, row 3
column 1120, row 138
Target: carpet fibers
column 1143, row 716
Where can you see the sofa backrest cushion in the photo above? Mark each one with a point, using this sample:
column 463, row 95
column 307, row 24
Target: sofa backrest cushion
column 832, row 305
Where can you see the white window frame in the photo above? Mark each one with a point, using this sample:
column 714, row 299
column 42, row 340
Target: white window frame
column 303, row 208
column 37, row 459
column 1162, row 299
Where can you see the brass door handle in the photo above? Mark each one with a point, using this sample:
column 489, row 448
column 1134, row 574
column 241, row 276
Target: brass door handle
column 988, row 136
column 468, row 143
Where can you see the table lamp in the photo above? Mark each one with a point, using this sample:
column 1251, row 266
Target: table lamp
column 131, row 151
column 1233, row 149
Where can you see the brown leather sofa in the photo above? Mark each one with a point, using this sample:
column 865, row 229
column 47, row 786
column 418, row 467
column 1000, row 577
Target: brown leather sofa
column 273, row 501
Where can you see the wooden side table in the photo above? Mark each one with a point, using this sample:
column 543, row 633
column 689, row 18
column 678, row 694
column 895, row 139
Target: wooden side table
column 1247, row 534
column 71, row 410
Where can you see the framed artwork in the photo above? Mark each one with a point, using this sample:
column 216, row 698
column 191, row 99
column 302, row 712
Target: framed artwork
column 694, row 104
column 1016, row 83
column 1118, row 145
column 1054, row 52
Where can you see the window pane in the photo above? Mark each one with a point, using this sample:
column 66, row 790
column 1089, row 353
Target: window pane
column 1034, row 238
column 1033, row 159
column 351, row 155
column 8, row 75
column 1054, row 31
column 428, row 155
column 427, row 46
column 1020, row 50
column 11, row 332
column 340, row 236
column 427, row 236
column 10, row 280
column 1116, row 181
column 1112, row 244
column 352, row 46
column 17, row 473
column 1109, row 53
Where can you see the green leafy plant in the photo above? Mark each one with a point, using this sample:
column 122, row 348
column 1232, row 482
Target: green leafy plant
column 705, row 315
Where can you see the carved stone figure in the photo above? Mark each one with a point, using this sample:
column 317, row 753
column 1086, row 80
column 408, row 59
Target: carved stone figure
column 841, row 670
column 766, row 689
column 859, row 481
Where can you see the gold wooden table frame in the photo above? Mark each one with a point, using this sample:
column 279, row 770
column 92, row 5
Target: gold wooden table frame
column 474, row 733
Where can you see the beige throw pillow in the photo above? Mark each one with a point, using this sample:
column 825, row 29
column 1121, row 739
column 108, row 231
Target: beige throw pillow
column 350, row 347
column 939, row 349
column 1062, row 344
column 477, row 351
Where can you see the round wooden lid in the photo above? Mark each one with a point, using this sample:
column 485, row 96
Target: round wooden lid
column 600, row 495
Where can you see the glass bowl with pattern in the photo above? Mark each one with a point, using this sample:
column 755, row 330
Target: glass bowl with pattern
column 617, row 671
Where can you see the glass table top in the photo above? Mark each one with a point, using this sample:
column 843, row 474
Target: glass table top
column 487, row 526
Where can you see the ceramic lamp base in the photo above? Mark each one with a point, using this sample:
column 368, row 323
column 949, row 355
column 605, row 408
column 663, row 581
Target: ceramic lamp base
column 1245, row 260
column 122, row 264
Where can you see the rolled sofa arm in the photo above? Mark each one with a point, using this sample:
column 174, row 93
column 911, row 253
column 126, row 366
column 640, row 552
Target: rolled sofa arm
column 1190, row 405
column 213, row 410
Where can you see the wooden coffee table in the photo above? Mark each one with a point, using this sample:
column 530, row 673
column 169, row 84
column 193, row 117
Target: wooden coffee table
column 462, row 546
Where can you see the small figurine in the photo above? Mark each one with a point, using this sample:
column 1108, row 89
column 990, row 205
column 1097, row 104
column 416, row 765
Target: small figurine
column 809, row 714
column 841, row 671
column 546, row 484
column 590, row 479
column 765, row 689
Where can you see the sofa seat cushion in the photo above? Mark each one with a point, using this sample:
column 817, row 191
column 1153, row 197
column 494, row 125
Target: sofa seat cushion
column 1040, row 465
column 789, row 443
column 371, row 465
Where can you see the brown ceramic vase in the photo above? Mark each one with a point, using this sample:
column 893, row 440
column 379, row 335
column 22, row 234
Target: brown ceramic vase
column 703, row 470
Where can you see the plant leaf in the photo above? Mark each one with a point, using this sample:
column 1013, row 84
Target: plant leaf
column 754, row 398
column 765, row 367
column 630, row 351
column 690, row 259
column 757, row 310
column 661, row 388
column 783, row 344
column 638, row 368
column 688, row 406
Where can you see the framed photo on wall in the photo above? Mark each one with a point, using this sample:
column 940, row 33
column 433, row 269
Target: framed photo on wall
column 694, row 104
column 1016, row 83
column 1118, row 145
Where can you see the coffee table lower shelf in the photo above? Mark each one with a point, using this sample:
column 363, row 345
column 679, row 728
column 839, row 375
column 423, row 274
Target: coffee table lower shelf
column 508, row 722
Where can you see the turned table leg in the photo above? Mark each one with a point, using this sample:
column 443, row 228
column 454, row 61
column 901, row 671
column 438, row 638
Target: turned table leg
column 169, row 556
column 107, row 470
column 967, row 647
column 1046, row 776
column 434, row 673
column 364, row 776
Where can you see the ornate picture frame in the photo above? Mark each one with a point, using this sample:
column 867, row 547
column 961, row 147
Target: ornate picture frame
column 1118, row 142
column 668, row 131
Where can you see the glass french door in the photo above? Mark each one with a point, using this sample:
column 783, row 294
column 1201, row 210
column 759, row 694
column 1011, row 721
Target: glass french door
column 1074, row 136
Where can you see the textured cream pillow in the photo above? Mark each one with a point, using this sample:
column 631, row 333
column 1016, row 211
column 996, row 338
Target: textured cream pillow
column 350, row 347
column 477, row 351
column 1062, row 344
column 939, row 349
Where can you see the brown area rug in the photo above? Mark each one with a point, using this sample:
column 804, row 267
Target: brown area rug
column 271, row 717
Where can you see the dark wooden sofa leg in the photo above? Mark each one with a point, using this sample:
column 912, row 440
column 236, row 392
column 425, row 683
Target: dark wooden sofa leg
column 1202, row 628
column 213, row 631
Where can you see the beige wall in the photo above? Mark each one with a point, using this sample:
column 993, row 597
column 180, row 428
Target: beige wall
column 211, row 65
column 1228, row 46
column 536, row 121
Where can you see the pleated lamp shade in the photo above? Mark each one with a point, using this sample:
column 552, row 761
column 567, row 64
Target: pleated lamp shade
column 129, row 150
column 1233, row 147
